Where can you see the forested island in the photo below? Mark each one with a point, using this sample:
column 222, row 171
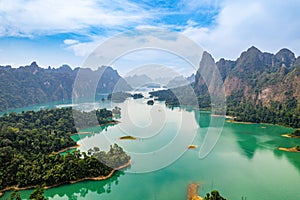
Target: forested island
column 122, row 96
column 29, row 140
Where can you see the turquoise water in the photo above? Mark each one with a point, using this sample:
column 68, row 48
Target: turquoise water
column 245, row 161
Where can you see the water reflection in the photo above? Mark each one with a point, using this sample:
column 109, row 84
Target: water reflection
column 252, row 138
column 91, row 132
column 248, row 146
column 76, row 191
column 81, row 190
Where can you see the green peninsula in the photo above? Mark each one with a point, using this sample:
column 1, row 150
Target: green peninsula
column 29, row 140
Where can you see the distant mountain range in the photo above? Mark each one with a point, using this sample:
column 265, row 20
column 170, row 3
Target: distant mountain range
column 157, row 74
column 32, row 84
column 137, row 81
column 141, row 80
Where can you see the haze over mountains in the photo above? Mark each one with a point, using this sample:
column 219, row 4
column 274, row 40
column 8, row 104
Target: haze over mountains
column 137, row 81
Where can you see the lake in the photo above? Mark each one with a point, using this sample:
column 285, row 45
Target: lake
column 244, row 163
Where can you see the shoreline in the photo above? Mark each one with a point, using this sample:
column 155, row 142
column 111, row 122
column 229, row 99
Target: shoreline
column 86, row 132
column 192, row 192
column 292, row 149
column 241, row 122
column 68, row 148
column 128, row 137
column 290, row 136
column 262, row 123
column 82, row 133
column 99, row 178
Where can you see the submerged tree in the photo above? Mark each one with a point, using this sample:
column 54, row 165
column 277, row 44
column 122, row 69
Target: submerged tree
column 214, row 195
column 37, row 194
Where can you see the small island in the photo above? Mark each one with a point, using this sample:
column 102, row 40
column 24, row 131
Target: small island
column 294, row 134
column 292, row 149
column 122, row 96
column 150, row 102
column 118, row 96
column 128, row 137
column 137, row 96
column 192, row 193
column 192, row 146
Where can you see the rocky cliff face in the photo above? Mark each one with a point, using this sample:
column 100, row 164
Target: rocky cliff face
column 258, row 77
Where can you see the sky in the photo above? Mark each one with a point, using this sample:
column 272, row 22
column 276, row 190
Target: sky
column 54, row 33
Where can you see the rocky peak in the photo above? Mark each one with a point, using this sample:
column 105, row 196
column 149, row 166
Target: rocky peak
column 254, row 49
column 65, row 68
column 32, row 68
column 252, row 60
column 285, row 57
column 33, row 65
column 225, row 66
column 205, row 71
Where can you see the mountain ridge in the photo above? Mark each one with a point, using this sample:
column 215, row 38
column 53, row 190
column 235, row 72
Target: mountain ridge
column 260, row 86
column 31, row 84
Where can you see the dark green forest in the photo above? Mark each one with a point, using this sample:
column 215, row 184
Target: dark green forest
column 287, row 114
column 29, row 140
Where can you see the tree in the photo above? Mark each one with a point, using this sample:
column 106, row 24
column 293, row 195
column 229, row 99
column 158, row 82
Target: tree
column 15, row 195
column 214, row 195
column 37, row 194
column 296, row 132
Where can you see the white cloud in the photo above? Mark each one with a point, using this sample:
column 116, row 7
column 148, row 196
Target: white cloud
column 70, row 41
column 83, row 49
column 28, row 17
column 269, row 25
column 141, row 47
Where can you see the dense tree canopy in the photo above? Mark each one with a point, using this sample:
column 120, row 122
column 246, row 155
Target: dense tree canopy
column 287, row 114
column 29, row 139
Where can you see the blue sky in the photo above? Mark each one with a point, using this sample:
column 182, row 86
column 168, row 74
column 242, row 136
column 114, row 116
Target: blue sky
column 57, row 32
